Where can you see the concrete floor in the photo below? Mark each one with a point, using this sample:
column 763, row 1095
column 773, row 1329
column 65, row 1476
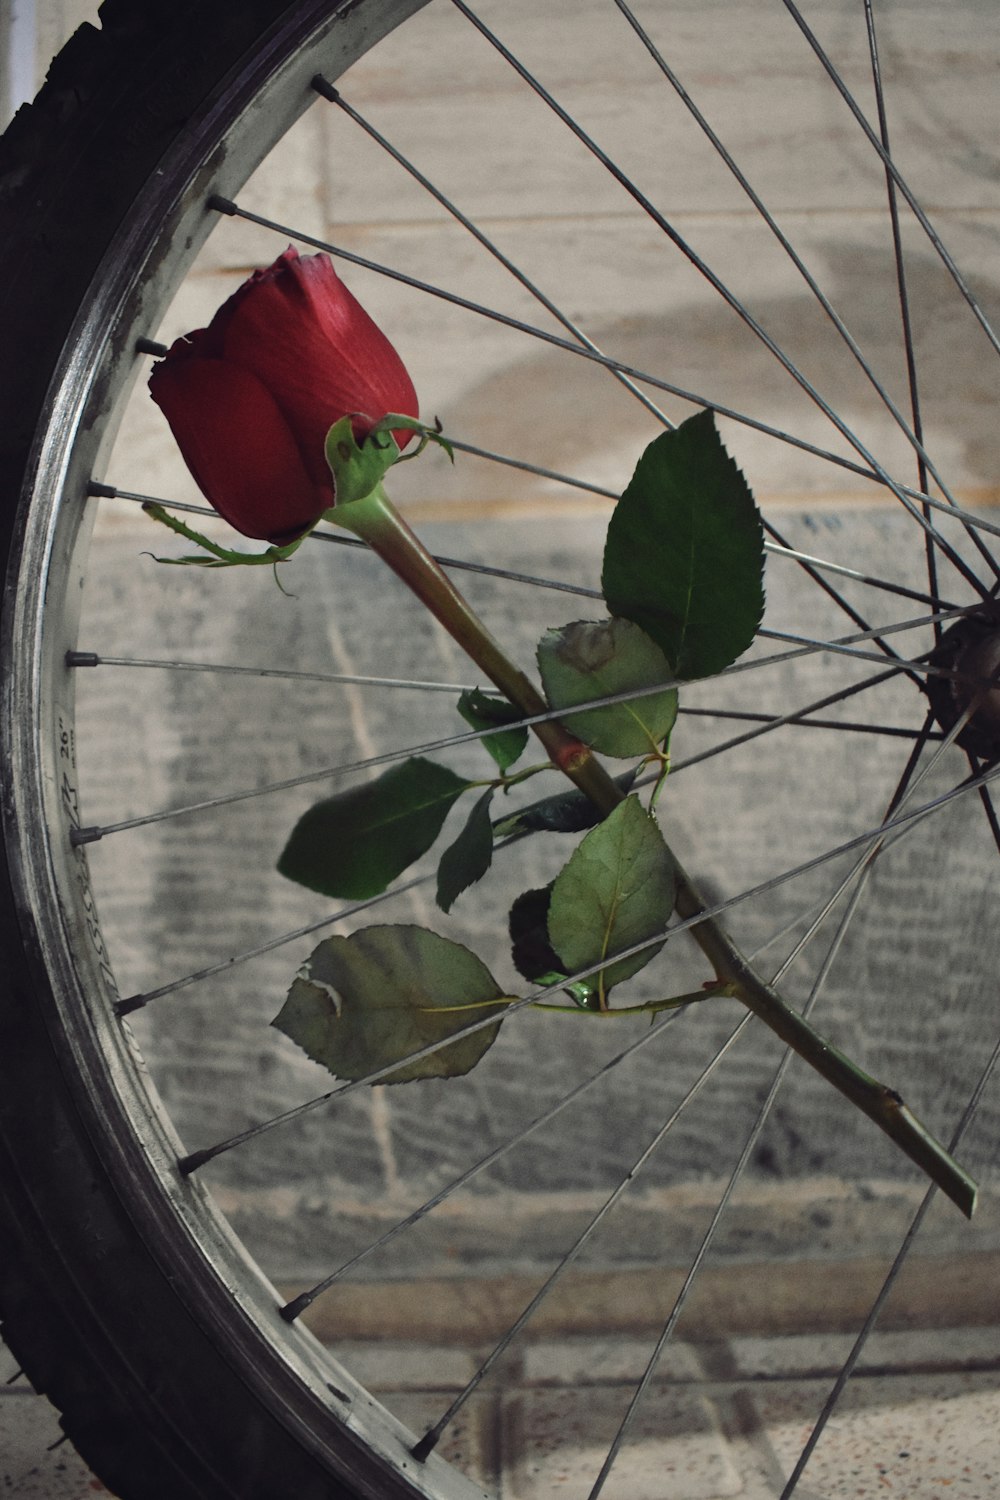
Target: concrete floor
column 724, row 1419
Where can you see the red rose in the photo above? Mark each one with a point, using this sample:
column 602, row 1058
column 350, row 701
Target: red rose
column 251, row 397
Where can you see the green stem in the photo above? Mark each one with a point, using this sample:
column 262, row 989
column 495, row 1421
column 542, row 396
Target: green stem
column 647, row 1007
column 661, row 780
column 506, row 781
column 503, row 782
column 376, row 520
column 879, row 1102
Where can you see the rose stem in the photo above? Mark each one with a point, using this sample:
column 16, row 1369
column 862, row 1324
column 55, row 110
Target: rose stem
column 376, row 521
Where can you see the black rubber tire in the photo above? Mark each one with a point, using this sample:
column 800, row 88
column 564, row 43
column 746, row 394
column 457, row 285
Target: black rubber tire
column 151, row 1392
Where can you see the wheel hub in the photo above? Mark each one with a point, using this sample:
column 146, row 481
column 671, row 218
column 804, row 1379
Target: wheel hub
column 971, row 650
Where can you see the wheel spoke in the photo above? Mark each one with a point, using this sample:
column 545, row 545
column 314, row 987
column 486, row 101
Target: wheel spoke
column 873, row 467
column 430, row 1439
column 870, row 633
column 834, row 594
column 966, row 517
column 807, row 647
column 861, row 868
column 139, row 1001
column 778, row 548
column 890, row 166
column 912, row 434
column 898, row 826
column 91, row 835
column 901, row 283
column 286, row 674
column 908, row 1241
column 333, row 96
column 800, row 721
column 780, row 721
column 127, row 1006
column 295, row 1308
column 719, row 286
column 986, row 798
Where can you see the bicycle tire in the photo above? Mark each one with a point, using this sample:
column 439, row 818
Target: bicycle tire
column 178, row 1412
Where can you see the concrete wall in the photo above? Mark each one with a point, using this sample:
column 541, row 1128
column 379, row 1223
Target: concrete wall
column 902, row 997
column 32, row 32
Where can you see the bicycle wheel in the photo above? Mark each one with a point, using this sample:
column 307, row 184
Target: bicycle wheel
column 125, row 1292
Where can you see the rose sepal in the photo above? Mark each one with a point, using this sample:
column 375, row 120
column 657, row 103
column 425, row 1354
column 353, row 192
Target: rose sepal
column 359, row 468
column 220, row 557
column 394, row 421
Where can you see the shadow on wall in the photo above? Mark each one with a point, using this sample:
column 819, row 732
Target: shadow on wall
column 586, row 425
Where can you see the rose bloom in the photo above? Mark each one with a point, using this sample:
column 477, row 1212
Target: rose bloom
column 251, row 397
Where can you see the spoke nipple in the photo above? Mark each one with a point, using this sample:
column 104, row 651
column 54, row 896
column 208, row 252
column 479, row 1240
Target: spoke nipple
column 132, row 1003
column 221, row 205
column 150, row 346
column 82, row 659
column 325, row 87
column 296, row 1307
column 101, row 491
column 422, row 1451
column 189, row 1164
column 78, row 836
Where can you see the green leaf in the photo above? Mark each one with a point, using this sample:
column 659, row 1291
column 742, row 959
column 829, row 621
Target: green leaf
column 593, row 659
column 684, row 556
column 617, row 889
column 469, row 857
column 355, row 844
column 482, row 710
column 533, row 954
column 362, row 1002
column 563, row 812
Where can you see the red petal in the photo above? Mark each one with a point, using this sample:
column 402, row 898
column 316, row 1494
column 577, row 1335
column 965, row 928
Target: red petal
column 311, row 343
column 215, row 332
column 207, row 343
column 238, row 446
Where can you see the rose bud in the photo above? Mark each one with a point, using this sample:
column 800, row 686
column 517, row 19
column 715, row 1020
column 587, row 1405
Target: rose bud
column 251, row 397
